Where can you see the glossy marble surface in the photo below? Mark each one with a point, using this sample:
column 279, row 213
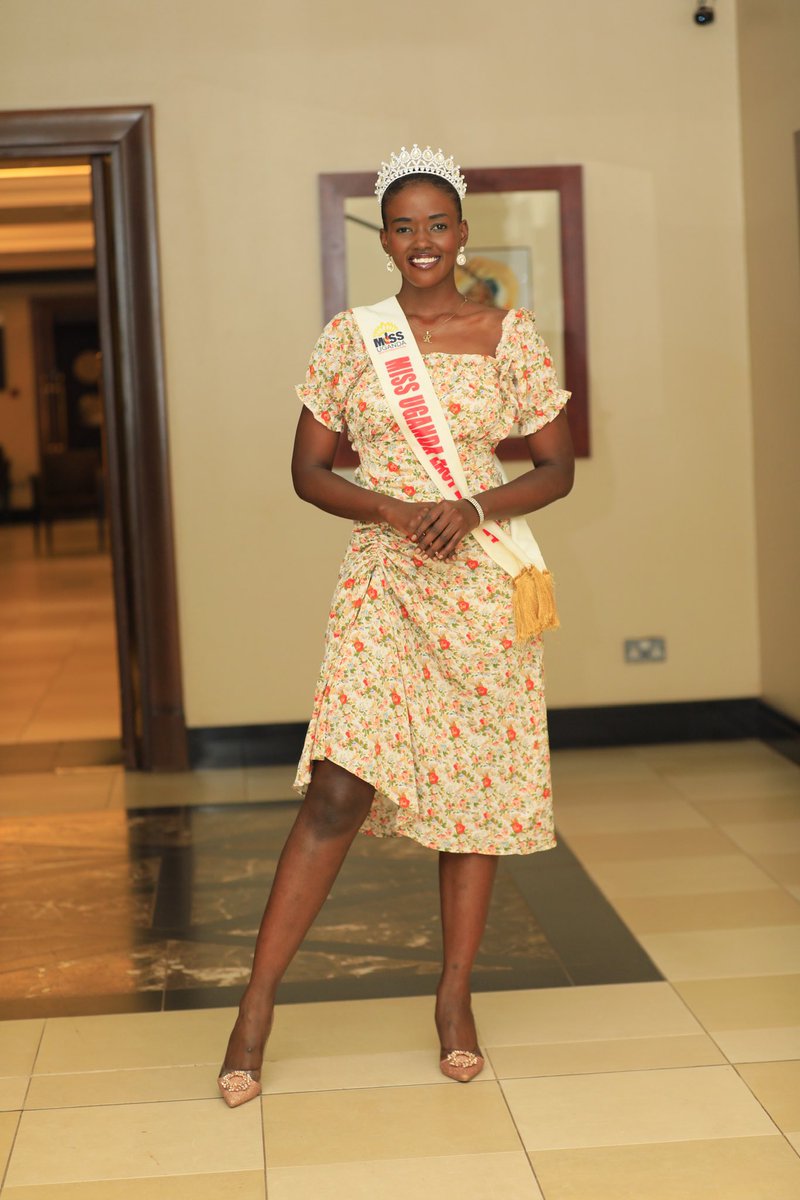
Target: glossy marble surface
column 158, row 907
column 604, row 1088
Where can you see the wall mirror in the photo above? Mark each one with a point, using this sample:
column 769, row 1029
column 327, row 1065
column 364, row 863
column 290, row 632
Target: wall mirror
column 525, row 251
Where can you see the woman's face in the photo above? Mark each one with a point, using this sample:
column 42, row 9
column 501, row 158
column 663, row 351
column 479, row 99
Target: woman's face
column 423, row 233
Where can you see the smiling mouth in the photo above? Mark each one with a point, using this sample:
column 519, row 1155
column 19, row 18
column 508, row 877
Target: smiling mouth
column 424, row 261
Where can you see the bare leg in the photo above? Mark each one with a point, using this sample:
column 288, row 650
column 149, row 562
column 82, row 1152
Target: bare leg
column 465, row 887
column 333, row 810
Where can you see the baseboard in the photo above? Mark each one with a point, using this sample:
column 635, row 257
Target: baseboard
column 246, row 745
column 570, row 728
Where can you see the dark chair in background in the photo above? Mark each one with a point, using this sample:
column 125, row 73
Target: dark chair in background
column 70, row 484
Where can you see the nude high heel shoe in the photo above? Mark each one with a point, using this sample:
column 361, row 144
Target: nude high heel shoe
column 461, row 1065
column 237, row 1087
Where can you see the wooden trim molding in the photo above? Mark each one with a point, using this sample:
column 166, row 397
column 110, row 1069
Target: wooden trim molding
column 118, row 144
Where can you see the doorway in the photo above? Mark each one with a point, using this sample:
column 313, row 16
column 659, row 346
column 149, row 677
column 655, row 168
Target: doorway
column 123, row 408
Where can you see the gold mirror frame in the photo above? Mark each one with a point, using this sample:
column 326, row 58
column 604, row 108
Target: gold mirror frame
column 336, row 188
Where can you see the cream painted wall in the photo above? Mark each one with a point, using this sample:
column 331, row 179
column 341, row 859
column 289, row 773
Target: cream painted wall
column 770, row 95
column 251, row 101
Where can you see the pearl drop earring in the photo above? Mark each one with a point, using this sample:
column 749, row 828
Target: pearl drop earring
column 461, row 257
column 390, row 263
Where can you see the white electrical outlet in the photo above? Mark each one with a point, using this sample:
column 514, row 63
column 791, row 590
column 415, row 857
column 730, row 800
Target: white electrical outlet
column 646, row 649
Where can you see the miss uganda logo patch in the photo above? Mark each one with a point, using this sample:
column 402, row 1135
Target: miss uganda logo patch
column 387, row 336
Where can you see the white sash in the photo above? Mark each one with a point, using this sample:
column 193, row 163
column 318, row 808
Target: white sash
column 410, row 393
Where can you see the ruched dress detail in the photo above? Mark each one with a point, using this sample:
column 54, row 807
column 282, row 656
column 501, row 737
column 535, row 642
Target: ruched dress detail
column 423, row 691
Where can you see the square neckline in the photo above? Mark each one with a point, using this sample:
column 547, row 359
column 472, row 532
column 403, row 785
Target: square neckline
column 492, row 357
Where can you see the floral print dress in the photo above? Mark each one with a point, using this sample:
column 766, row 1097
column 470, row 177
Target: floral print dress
column 423, row 691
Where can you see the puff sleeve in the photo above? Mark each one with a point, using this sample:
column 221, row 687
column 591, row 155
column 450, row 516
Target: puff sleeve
column 337, row 361
column 528, row 373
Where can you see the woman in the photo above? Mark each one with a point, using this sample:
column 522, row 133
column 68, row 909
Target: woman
column 429, row 720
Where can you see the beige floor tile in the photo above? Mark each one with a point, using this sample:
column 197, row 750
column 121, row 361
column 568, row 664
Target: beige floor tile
column 676, row 876
column 794, row 1140
column 381, row 1123
column 589, row 1058
column 128, row 1141
column 779, row 779
column 76, row 1045
column 678, row 843
column 784, row 868
column 777, row 1086
column 45, row 792
column 353, row 1027
column 721, row 910
column 700, row 756
column 12, row 1092
column 343, row 1071
column 754, row 809
column 576, row 1014
column 269, row 783
column 759, row 1045
column 8, row 1128
column 75, row 802
column 141, row 790
column 232, row 1185
column 751, row 1168
column 10, row 729
column 462, row 1177
column 629, row 817
column 771, row 950
column 634, row 1106
column 612, row 762
column 19, row 1041
column 63, row 728
column 766, row 837
column 767, row 1002
column 123, row 1087
column 585, row 789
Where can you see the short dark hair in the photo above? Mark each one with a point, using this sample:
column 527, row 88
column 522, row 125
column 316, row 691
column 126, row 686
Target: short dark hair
column 420, row 177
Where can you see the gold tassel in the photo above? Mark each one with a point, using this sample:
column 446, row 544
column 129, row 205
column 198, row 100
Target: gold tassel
column 534, row 603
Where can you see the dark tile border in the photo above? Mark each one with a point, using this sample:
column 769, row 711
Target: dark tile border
column 570, row 728
column 561, row 896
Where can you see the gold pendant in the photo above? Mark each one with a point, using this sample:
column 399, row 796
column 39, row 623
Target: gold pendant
column 427, row 336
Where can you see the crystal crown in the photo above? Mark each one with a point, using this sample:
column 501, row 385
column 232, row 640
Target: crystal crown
column 424, row 162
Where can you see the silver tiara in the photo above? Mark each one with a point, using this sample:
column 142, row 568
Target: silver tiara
column 420, row 162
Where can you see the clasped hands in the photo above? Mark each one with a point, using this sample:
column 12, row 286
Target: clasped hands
column 437, row 529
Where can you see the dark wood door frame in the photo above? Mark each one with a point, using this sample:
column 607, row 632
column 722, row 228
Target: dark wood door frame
column 118, row 144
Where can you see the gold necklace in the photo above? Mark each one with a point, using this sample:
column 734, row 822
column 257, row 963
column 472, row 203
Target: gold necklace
column 426, row 337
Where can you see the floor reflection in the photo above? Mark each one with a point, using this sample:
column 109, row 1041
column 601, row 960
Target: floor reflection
column 159, row 909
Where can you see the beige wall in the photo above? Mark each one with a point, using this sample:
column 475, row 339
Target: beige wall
column 770, row 95
column 251, row 101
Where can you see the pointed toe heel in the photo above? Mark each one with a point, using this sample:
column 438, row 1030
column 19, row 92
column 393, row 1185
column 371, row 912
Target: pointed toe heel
column 461, row 1065
column 237, row 1087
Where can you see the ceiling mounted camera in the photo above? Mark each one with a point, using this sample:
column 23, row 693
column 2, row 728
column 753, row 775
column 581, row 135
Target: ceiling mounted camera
column 704, row 14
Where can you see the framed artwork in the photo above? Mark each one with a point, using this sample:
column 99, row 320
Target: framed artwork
column 499, row 276
column 525, row 250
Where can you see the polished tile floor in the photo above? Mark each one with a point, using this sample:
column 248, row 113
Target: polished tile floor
column 58, row 666
column 682, row 1087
